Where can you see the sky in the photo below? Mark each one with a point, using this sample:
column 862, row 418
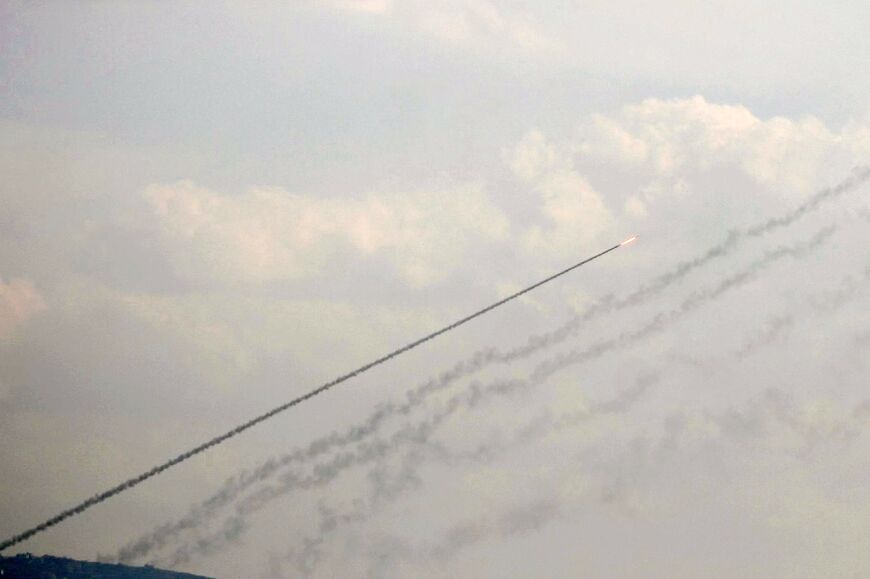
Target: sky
column 207, row 209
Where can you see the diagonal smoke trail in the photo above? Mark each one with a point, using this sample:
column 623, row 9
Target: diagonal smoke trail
column 326, row 472
column 233, row 487
column 858, row 177
column 747, row 425
column 741, row 425
column 738, row 424
column 412, row 434
column 525, row 518
column 769, row 333
column 406, row 480
column 135, row 481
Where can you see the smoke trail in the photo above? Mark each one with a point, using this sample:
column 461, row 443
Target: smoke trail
column 521, row 519
column 773, row 328
column 776, row 406
column 746, row 426
column 233, row 487
column 324, row 473
column 755, row 422
column 387, row 489
column 204, row 511
column 738, row 425
column 130, row 483
column 743, row 426
column 517, row 520
column 411, row 435
column 691, row 303
column 859, row 176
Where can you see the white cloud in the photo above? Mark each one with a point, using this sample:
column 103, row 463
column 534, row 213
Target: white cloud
column 270, row 234
column 684, row 160
column 575, row 212
column 673, row 137
column 19, row 301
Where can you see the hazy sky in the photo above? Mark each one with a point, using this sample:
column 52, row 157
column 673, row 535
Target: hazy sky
column 207, row 209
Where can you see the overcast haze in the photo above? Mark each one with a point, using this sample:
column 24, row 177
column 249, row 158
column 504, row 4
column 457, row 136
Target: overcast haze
column 207, row 209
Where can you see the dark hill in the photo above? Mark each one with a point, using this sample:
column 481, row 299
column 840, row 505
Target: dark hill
column 27, row 566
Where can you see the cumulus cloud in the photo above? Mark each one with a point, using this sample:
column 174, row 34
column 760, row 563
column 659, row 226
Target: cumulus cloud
column 670, row 137
column 685, row 159
column 269, row 234
column 575, row 212
column 19, row 301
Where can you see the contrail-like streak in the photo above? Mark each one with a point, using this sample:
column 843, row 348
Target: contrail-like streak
column 740, row 425
column 858, row 177
column 130, row 483
column 388, row 491
column 416, row 433
column 234, row 486
column 748, row 425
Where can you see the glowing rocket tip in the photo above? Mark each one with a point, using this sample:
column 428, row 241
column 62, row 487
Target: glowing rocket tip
column 629, row 240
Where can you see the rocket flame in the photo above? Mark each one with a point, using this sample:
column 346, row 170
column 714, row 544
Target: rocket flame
column 629, row 240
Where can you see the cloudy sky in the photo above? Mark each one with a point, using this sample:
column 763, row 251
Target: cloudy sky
column 207, row 209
